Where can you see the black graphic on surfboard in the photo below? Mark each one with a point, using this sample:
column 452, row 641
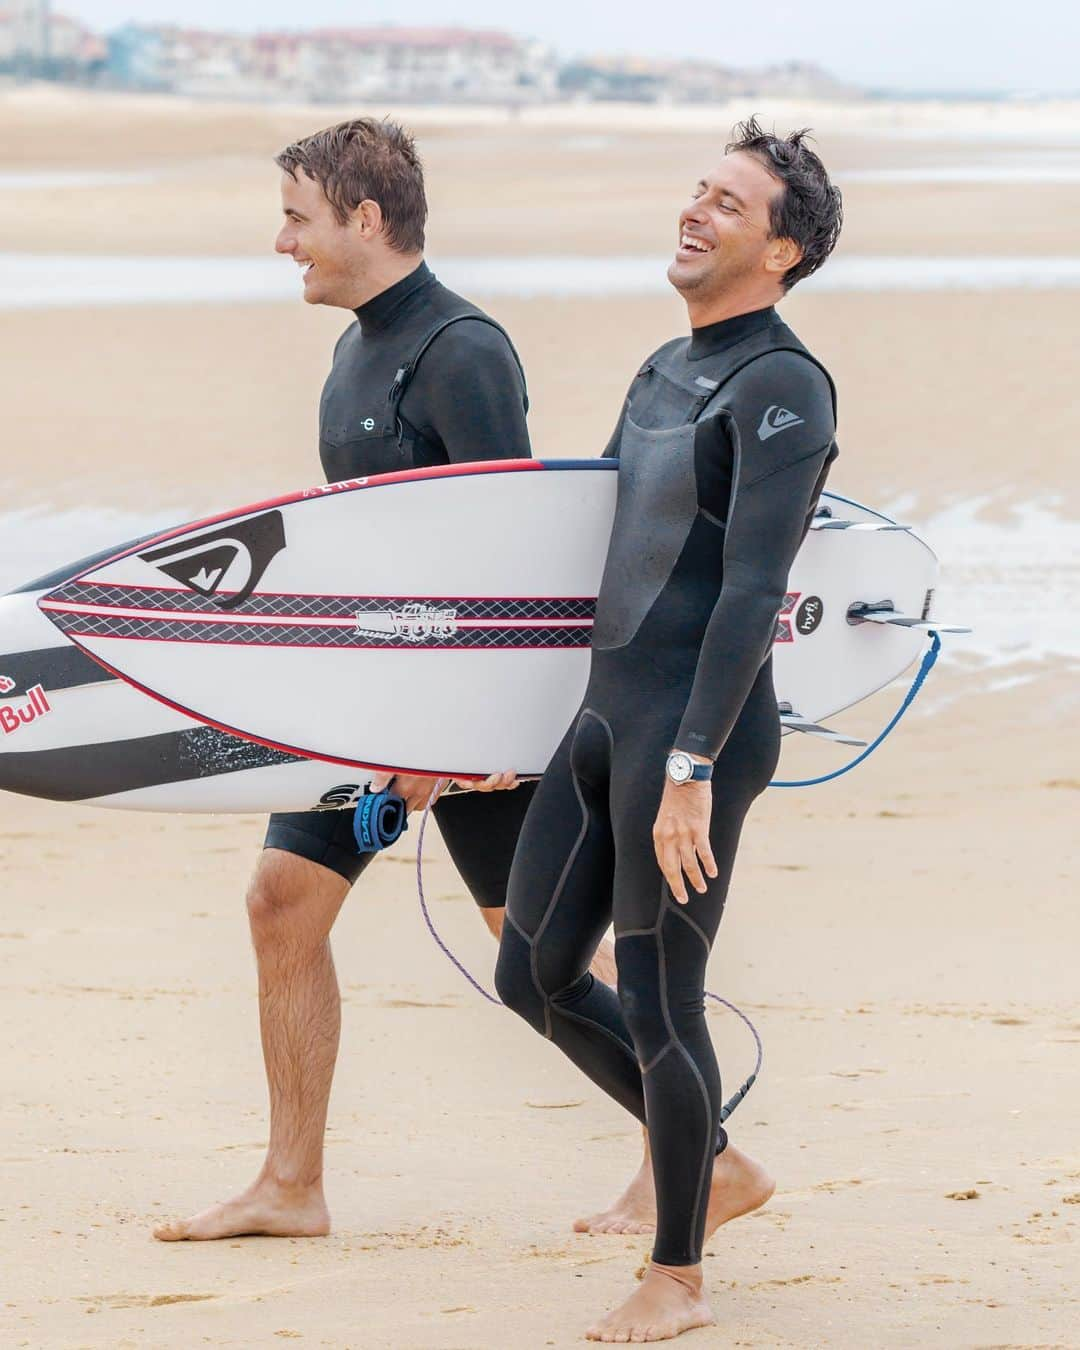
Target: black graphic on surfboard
column 809, row 615
column 238, row 554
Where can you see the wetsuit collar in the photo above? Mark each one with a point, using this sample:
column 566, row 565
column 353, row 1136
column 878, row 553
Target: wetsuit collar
column 383, row 308
column 717, row 337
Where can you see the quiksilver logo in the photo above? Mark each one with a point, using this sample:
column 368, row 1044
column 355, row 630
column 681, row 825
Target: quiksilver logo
column 231, row 559
column 777, row 419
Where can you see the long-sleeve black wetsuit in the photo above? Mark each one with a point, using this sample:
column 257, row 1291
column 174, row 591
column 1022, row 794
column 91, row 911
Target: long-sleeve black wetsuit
column 724, row 443
column 422, row 378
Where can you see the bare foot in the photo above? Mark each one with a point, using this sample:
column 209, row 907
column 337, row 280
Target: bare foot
column 633, row 1212
column 667, row 1302
column 739, row 1186
column 266, row 1208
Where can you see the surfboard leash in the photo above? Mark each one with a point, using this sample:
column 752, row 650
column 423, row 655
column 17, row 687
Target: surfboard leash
column 732, row 1102
column 462, row 969
column 925, row 667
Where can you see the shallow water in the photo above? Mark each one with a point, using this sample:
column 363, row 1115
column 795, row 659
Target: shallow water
column 38, row 281
column 1024, row 166
column 1062, row 166
column 1013, row 582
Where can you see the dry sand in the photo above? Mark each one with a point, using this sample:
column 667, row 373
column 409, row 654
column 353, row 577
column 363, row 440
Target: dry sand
column 905, row 938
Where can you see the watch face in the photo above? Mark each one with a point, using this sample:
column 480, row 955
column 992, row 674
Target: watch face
column 679, row 768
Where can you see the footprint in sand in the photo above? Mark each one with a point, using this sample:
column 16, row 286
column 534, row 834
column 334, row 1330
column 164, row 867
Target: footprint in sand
column 828, row 1187
column 144, row 1300
column 412, row 1003
column 796, row 1279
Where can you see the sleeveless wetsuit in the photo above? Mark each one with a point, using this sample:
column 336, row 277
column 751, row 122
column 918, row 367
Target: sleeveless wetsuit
column 422, row 378
column 723, row 446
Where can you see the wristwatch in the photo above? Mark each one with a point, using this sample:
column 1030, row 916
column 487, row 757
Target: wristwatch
column 682, row 769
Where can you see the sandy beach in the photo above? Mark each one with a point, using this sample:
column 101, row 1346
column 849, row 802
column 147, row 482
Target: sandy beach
column 905, row 938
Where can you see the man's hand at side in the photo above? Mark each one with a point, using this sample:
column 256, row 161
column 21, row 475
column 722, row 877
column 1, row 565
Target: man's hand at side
column 681, row 837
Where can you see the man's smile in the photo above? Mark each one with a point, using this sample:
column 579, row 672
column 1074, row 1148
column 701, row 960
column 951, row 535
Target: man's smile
column 693, row 245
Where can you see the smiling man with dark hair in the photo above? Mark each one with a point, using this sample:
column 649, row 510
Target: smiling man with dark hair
column 724, row 443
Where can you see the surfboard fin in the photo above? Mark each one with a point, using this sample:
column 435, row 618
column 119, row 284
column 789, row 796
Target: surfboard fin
column 827, row 523
column 793, row 721
column 883, row 612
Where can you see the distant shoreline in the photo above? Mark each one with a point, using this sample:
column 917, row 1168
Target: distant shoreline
column 877, row 116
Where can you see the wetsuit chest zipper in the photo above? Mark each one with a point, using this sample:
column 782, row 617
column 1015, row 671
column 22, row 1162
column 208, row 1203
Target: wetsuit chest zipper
column 397, row 389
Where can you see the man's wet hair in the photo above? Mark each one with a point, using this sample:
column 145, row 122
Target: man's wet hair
column 810, row 209
column 366, row 159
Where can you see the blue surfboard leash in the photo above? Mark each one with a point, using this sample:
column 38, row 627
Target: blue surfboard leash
column 925, row 666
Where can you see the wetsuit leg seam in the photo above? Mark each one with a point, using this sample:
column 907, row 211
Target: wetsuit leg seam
column 680, row 911
column 647, row 1068
column 597, row 1026
column 636, row 932
column 710, row 1129
column 509, row 918
column 556, row 896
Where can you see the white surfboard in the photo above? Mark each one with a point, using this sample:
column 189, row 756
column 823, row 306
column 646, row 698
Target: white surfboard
column 303, row 623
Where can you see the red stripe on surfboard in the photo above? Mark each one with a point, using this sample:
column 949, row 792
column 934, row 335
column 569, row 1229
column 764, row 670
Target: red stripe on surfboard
column 329, row 490
column 324, row 595
column 272, row 745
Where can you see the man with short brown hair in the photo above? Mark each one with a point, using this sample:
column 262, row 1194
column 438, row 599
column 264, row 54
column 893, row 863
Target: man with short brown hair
column 421, row 378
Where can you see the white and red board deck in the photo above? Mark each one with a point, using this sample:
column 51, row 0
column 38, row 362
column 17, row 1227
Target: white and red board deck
column 436, row 621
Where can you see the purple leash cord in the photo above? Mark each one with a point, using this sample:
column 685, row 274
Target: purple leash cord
column 423, row 900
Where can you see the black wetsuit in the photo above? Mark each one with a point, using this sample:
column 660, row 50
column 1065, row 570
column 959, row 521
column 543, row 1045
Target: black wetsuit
column 724, row 443
column 423, row 378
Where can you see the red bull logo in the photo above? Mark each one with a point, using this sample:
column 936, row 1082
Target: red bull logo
column 13, row 717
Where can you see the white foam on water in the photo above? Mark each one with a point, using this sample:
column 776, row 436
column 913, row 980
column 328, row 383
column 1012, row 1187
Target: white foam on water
column 1013, row 581
column 1064, row 170
column 39, row 281
column 36, row 541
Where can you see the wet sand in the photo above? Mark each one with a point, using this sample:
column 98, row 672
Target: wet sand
column 942, row 395
column 904, row 937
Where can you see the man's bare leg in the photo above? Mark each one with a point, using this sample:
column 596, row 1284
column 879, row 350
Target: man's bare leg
column 292, row 905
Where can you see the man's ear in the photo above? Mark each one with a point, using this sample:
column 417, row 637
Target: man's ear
column 367, row 218
column 781, row 255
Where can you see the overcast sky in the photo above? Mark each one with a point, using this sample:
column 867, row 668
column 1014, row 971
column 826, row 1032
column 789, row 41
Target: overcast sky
column 915, row 44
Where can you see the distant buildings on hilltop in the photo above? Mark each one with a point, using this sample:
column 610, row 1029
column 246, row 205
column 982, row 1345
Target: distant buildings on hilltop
column 431, row 65
column 385, row 64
